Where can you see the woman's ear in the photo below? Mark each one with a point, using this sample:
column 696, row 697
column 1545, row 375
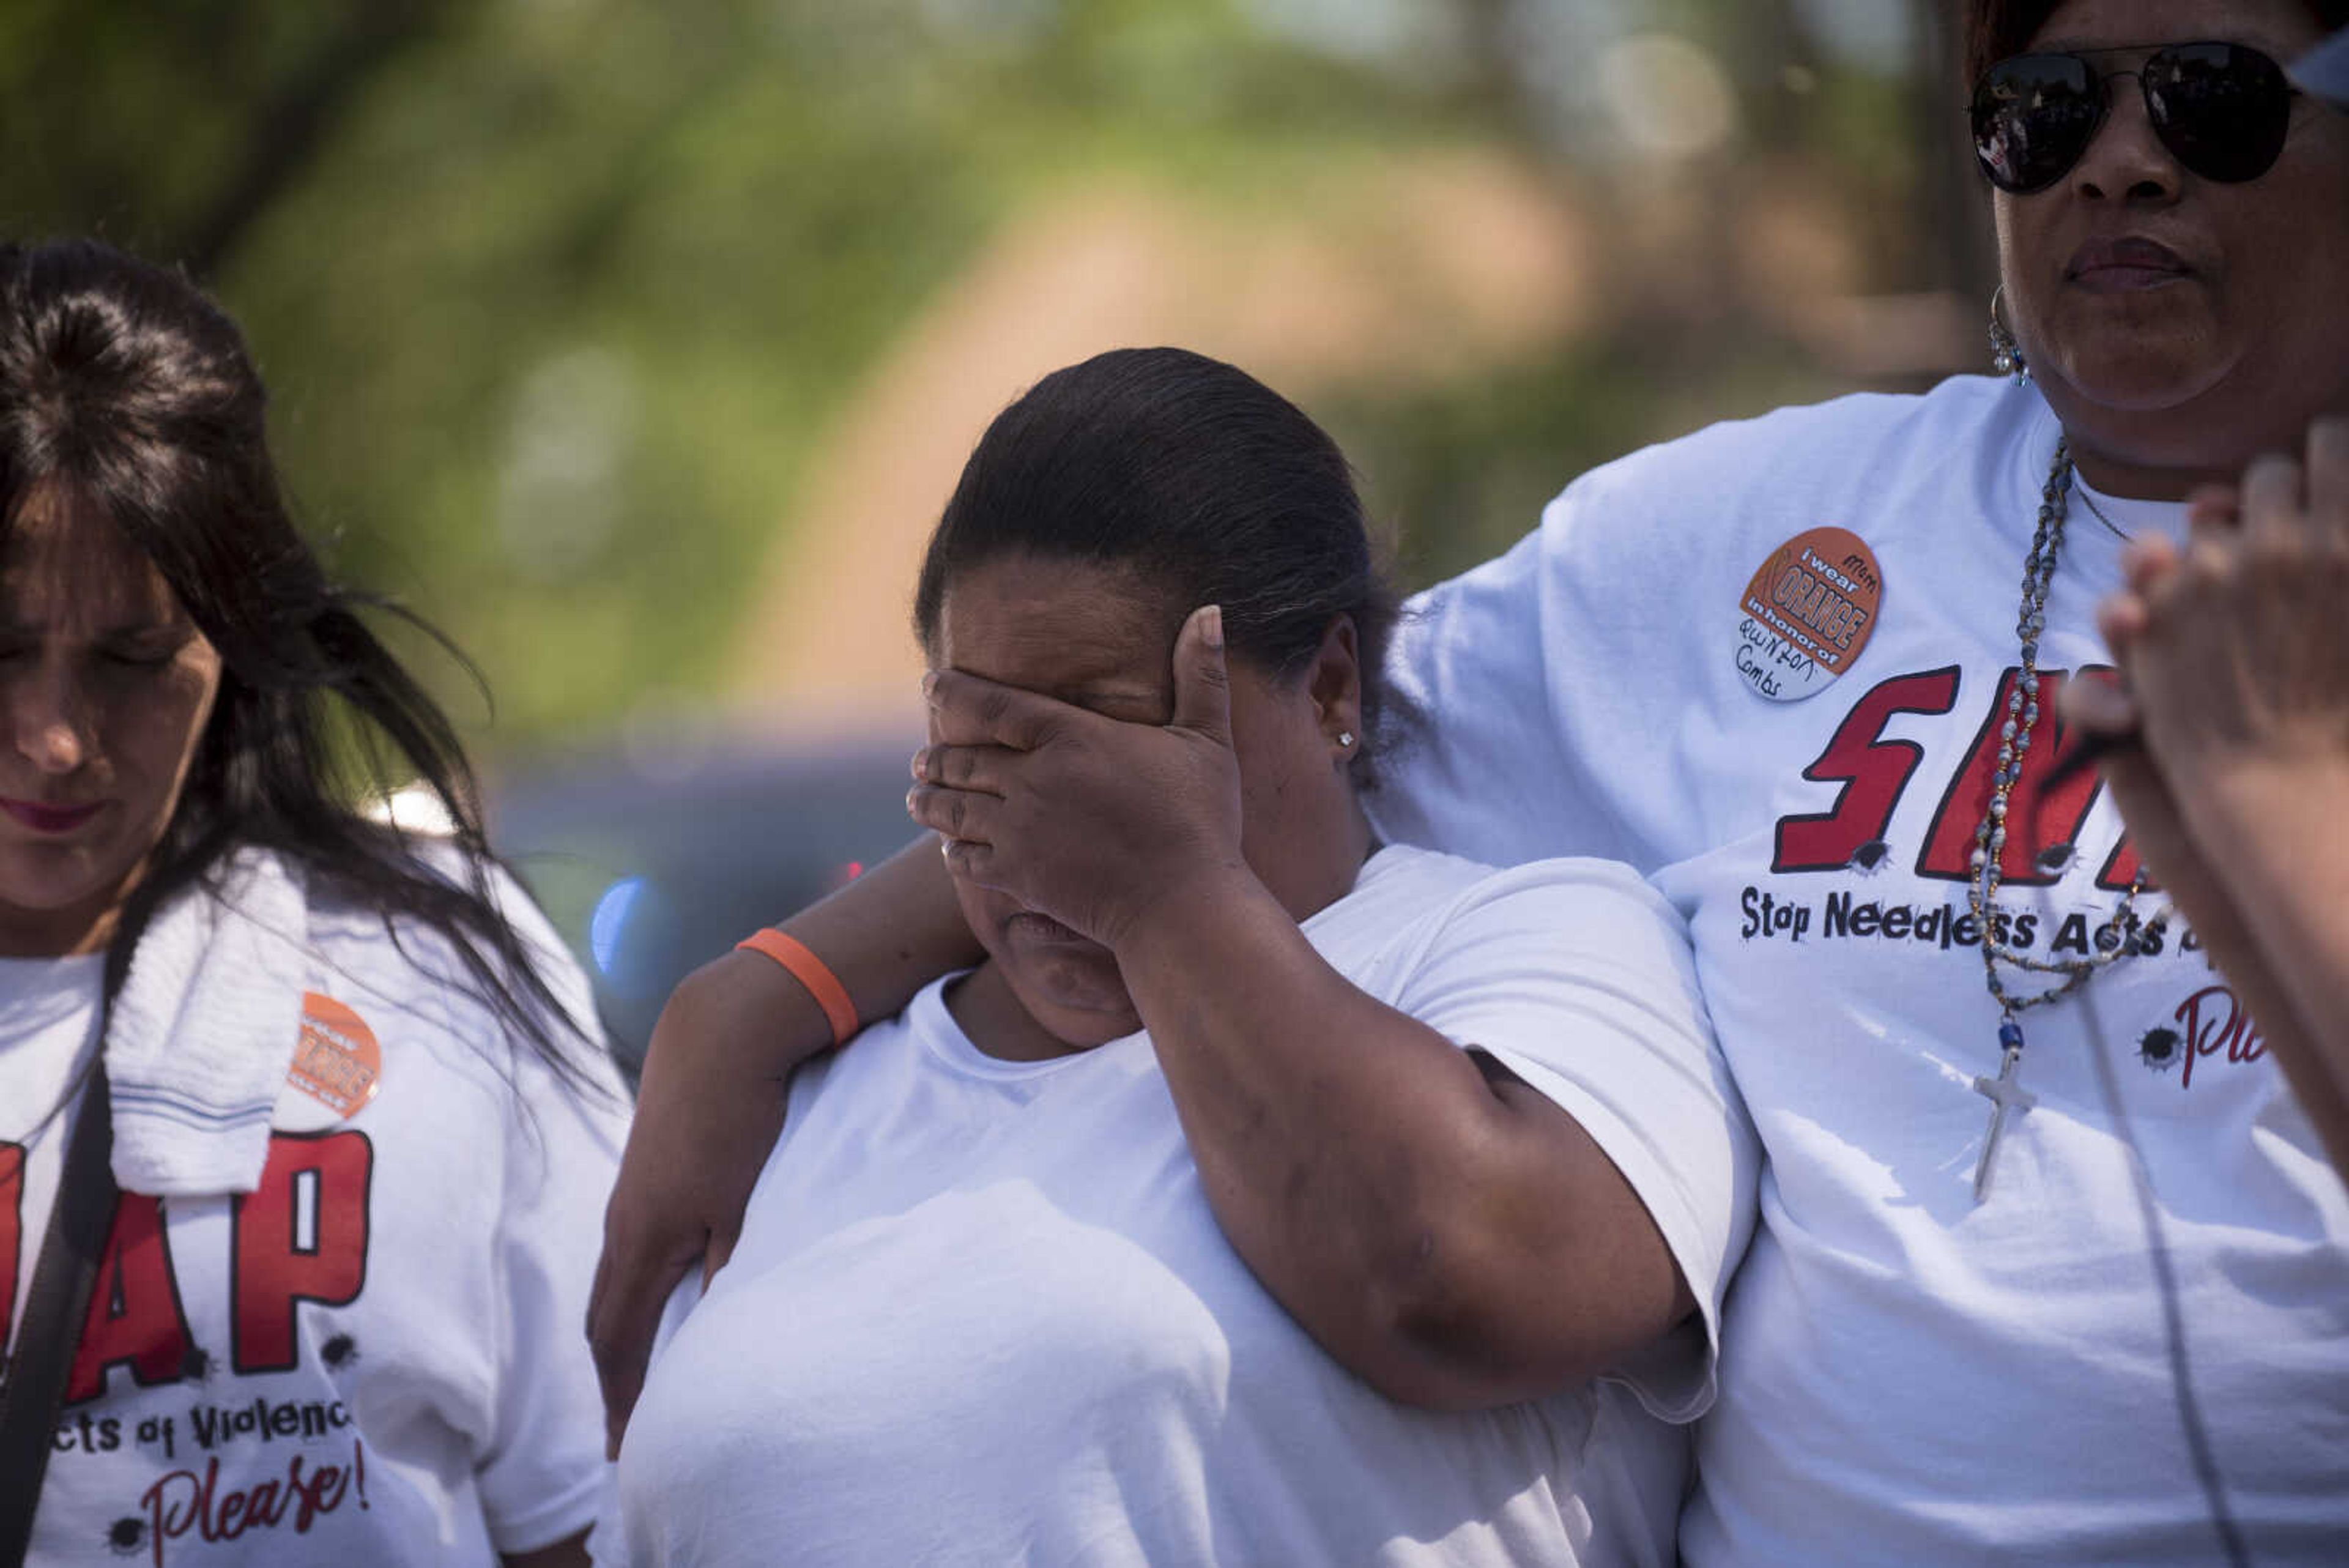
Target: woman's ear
column 1334, row 682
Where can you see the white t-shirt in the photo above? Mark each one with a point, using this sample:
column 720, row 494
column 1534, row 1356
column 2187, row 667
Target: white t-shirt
column 376, row 1356
column 49, row 1012
column 1907, row 1378
column 982, row 1314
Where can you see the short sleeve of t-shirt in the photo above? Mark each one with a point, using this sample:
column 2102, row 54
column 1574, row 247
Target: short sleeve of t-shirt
column 1579, row 695
column 545, row 1472
column 1577, row 975
column 1527, row 738
column 1486, row 769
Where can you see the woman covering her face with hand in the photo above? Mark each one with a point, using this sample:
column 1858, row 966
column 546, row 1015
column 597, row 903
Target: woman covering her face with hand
column 2050, row 1264
column 1006, row 1292
column 300, row 1144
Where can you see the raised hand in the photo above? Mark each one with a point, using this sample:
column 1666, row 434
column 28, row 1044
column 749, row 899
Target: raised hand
column 1081, row 816
column 2236, row 650
column 2233, row 768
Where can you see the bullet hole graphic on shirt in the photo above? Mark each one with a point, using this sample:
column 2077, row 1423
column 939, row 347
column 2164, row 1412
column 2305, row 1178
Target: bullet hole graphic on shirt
column 2057, row 858
column 2160, row 1049
column 1870, row 858
column 339, row 1351
column 126, row 1536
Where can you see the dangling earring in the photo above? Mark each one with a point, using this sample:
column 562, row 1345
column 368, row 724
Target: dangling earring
column 2005, row 353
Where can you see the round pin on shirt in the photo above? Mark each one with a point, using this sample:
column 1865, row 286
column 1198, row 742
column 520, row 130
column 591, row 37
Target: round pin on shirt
column 337, row 1062
column 1806, row 612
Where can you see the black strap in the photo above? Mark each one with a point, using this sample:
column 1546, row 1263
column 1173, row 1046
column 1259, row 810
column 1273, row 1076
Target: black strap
column 43, row 1358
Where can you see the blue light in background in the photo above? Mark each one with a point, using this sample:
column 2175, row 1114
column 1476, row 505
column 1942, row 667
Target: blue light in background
column 610, row 918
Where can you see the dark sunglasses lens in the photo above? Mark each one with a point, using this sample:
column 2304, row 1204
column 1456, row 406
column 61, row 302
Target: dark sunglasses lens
column 2033, row 115
column 2223, row 109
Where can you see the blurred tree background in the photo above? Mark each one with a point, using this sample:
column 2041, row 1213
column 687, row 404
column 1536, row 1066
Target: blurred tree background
column 569, row 306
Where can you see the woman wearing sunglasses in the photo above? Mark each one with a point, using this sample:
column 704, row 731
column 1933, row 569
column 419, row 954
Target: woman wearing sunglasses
column 2050, row 1265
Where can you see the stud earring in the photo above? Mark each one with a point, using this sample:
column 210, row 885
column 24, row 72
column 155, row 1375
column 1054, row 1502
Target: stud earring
column 2005, row 354
column 1345, row 740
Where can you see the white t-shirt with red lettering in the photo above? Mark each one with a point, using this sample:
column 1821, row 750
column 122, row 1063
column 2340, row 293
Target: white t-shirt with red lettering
column 1908, row 1376
column 372, row 1358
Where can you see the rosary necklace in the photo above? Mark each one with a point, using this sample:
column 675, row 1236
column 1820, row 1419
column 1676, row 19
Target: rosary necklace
column 2007, row 1096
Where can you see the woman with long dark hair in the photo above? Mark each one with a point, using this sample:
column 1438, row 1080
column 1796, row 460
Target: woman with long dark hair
column 302, row 1123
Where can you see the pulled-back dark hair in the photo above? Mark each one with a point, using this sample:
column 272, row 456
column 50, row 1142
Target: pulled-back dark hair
column 1997, row 29
column 1209, row 485
column 122, row 383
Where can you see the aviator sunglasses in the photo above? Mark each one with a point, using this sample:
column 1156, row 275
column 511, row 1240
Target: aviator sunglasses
column 2221, row 109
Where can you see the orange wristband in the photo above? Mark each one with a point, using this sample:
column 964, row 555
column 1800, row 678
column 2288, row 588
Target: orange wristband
column 811, row 972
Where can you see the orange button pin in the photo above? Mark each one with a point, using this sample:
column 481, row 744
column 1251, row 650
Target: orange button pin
column 337, row 1062
column 1806, row 612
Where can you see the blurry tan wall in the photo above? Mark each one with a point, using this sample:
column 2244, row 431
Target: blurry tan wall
column 1414, row 273
column 1424, row 271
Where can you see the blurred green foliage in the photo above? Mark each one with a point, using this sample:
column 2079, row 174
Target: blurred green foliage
column 556, row 296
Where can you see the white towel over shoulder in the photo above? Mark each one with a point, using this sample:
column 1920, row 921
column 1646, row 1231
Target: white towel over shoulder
column 204, row 1029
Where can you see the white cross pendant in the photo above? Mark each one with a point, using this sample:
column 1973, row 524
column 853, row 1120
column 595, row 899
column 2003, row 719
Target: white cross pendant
column 2005, row 1095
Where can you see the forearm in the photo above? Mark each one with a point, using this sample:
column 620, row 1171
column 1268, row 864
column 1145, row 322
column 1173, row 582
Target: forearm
column 884, row 936
column 1440, row 1232
column 891, row 932
column 2274, row 840
column 710, row 1104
